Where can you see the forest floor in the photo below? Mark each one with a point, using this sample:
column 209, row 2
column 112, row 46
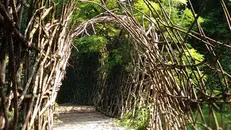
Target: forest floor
column 83, row 118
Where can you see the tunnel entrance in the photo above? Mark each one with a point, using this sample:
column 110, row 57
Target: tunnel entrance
column 80, row 80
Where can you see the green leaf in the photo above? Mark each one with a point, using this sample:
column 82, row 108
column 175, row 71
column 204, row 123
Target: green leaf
column 144, row 8
column 181, row 1
column 93, row 43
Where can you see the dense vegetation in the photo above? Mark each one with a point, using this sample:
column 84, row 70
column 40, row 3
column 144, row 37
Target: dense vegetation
column 106, row 50
column 156, row 64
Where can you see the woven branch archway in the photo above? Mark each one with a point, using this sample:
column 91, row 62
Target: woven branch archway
column 166, row 78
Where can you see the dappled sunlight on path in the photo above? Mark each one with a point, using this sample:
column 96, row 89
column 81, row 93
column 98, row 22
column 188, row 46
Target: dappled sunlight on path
column 84, row 118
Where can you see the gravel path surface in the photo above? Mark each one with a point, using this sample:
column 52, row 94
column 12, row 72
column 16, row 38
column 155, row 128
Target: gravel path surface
column 76, row 118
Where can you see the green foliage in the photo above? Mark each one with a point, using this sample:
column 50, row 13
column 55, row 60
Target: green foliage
column 187, row 18
column 226, row 61
column 93, row 43
column 214, row 20
column 141, row 6
column 111, row 4
column 111, row 47
column 136, row 122
column 179, row 13
column 214, row 27
column 181, row 1
column 192, row 53
column 85, row 11
column 110, row 31
column 118, row 55
column 88, row 10
column 11, row 114
column 108, row 48
column 192, row 56
column 222, row 113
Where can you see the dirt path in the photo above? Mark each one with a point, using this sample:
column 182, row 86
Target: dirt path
column 83, row 118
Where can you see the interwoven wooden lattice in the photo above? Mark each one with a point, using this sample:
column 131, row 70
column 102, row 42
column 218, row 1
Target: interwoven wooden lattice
column 166, row 78
column 33, row 55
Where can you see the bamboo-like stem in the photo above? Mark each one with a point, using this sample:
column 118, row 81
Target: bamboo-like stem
column 165, row 74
